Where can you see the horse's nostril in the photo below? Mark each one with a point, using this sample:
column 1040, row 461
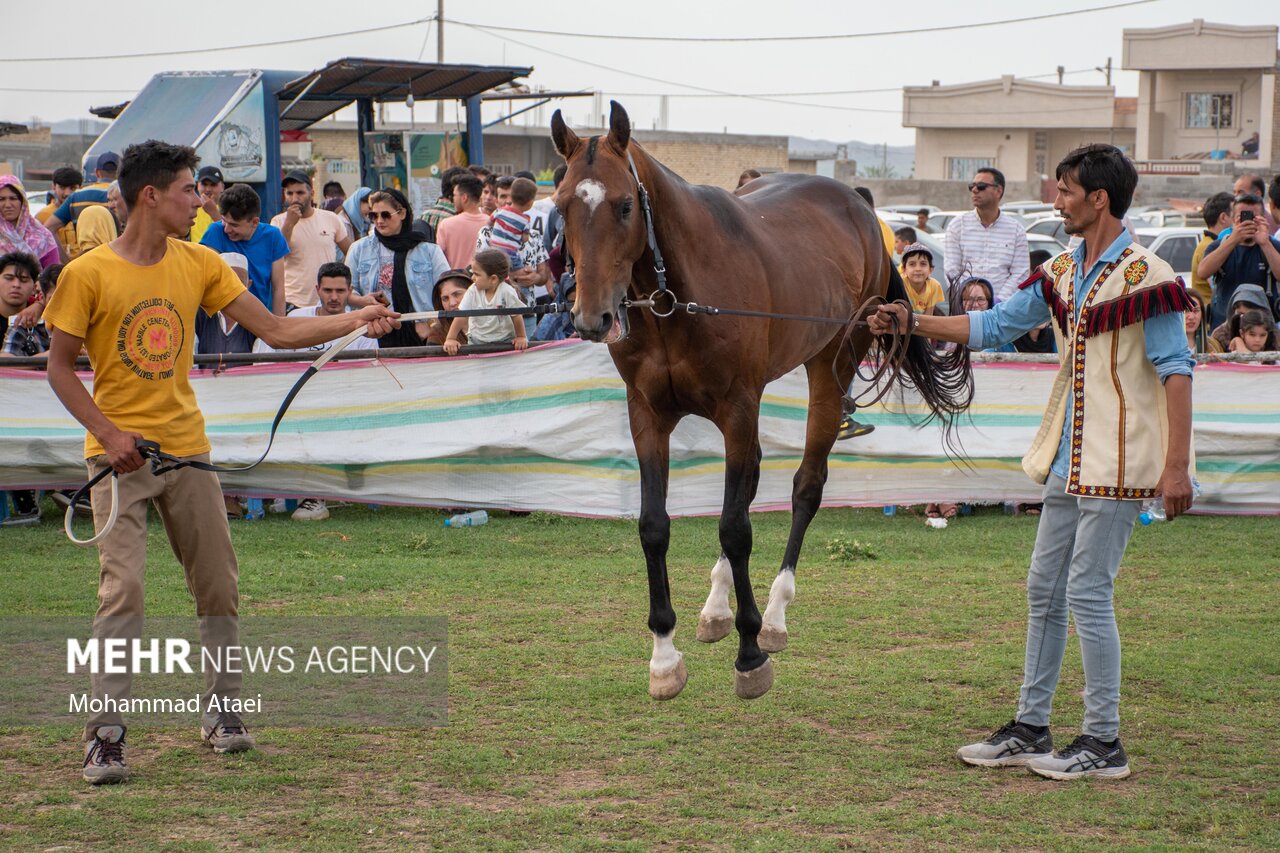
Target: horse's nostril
column 606, row 321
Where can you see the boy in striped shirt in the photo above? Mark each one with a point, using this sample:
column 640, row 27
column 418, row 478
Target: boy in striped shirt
column 511, row 222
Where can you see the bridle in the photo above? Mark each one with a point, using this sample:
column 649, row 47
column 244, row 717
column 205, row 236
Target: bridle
column 894, row 352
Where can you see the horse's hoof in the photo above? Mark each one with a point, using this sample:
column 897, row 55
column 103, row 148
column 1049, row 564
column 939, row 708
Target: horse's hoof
column 713, row 629
column 667, row 685
column 754, row 683
column 771, row 639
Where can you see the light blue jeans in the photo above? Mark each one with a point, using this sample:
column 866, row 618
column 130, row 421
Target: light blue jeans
column 1078, row 549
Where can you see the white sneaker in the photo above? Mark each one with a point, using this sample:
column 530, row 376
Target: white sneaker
column 311, row 510
column 104, row 757
column 279, row 505
column 1086, row 756
column 1012, row 744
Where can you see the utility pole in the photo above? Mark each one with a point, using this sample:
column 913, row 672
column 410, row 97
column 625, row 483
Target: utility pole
column 1106, row 69
column 1062, row 70
column 440, row 53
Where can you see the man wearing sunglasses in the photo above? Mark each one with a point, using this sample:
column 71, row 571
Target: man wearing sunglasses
column 986, row 243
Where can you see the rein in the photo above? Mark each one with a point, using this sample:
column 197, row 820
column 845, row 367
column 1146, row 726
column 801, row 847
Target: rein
column 162, row 463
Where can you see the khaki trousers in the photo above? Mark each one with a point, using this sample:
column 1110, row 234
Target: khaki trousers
column 194, row 515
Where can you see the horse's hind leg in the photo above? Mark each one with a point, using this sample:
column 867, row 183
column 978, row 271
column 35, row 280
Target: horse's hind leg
column 753, row 671
column 806, row 495
column 652, row 436
column 716, row 619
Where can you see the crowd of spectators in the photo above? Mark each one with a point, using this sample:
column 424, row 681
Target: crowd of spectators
column 488, row 241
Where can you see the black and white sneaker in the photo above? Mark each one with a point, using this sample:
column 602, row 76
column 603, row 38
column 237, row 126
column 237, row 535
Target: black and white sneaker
column 104, row 757
column 1013, row 744
column 1086, row 756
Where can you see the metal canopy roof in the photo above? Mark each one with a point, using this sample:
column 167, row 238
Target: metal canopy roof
column 313, row 96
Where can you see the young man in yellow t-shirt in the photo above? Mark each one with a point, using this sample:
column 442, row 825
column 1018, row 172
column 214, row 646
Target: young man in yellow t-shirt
column 132, row 305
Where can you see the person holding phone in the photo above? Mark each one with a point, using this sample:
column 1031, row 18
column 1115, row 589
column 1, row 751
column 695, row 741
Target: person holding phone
column 1246, row 254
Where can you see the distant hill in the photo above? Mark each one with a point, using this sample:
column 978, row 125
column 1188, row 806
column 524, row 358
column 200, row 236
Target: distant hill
column 901, row 157
column 79, row 126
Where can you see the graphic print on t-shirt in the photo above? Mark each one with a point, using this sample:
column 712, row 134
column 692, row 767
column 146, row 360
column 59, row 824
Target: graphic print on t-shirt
column 150, row 337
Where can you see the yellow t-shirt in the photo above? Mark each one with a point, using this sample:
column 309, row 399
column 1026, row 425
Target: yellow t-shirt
column 64, row 234
column 889, row 242
column 1202, row 286
column 202, row 223
column 920, row 302
column 138, row 325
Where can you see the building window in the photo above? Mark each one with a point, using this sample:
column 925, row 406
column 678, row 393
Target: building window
column 962, row 168
column 1211, row 111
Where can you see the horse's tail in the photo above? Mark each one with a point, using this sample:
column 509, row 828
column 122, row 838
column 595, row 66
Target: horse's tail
column 944, row 380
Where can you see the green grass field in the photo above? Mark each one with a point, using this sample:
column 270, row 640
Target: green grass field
column 905, row 642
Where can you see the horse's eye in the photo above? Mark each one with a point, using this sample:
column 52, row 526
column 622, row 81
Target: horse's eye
column 624, row 209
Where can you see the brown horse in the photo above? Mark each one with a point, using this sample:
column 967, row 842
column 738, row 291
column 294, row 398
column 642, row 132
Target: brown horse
column 785, row 243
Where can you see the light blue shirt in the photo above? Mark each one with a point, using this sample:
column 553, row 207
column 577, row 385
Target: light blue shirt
column 1166, row 335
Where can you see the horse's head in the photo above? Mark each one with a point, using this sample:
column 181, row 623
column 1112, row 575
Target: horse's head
column 604, row 229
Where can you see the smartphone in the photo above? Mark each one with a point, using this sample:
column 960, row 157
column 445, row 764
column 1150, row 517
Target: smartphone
column 1246, row 216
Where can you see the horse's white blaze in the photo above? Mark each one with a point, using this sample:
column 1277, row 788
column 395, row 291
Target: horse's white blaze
column 780, row 595
column 591, row 192
column 665, row 655
column 717, row 605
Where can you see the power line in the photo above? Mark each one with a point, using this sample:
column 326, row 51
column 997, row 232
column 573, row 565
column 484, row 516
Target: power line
column 74, row 91
column 819, row 37
column 103, row 57
column 816, row 94
column 709, row 92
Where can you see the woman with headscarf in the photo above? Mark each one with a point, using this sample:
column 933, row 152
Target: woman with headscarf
column 1198, row 337
column 355, row 213
column 445, row 296
column 19, row 230
column 395, row 265
column 95, row 227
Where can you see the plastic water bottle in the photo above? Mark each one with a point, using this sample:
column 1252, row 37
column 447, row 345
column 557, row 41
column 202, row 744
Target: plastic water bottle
column 468, row 519
column 890, row 509
column 1153, row 510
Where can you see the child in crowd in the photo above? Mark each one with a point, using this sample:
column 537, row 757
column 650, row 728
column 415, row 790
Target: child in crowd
column 1246, row 298
column 511, row 223
column 488, row 289
column 917, row 270
column 1253, row 331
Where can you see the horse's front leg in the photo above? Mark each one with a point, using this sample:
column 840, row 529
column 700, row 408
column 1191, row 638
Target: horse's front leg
column 652, row 436
column 753, row 670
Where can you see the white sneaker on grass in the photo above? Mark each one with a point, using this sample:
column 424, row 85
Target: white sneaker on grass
column 1086, row 756
column 1013, row 744
column 227, row 734
column 311, row 509
column 104, row 757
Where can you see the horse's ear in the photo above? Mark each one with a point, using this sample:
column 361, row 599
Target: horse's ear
column 565, row 139
column 619, row 126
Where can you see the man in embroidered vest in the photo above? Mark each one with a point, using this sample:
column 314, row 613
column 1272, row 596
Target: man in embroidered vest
column 1117, row 431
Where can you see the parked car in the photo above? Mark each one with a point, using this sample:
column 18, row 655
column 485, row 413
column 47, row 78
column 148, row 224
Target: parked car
column 909, row 209
column 37, row 200
column 1174, row 246
column 1163, row 219
column 940, row 220
column 1049, row 226
column 1027, row 208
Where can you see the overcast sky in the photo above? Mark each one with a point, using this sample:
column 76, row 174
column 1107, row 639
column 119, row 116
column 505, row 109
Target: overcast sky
column 618, row 68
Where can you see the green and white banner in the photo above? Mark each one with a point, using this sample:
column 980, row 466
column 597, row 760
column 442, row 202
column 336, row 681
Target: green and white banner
column 547, row 430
